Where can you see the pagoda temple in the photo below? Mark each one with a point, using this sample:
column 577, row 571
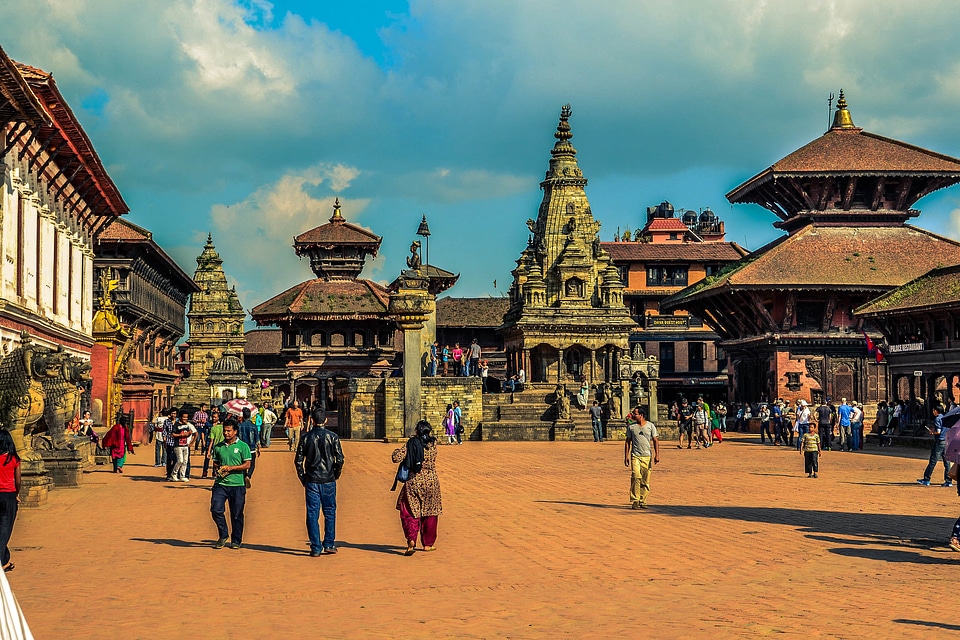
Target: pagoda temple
column 784, row 312
column 337, row 325
column 215, row 323
column 566, row 316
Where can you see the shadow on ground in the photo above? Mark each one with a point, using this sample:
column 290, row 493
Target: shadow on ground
column 927, row 623
column 173, row 542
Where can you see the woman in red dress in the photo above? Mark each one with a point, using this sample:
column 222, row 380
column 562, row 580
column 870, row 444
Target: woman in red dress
column 9, row 490
column 119, row 441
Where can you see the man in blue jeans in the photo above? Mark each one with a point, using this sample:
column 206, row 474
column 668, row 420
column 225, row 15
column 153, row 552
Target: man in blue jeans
column 231, row 459
column 938, row 452
column 319, row 462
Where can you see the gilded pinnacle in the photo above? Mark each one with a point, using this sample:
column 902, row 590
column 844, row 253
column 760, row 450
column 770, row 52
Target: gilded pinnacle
column 337, row 217
column 842, row 119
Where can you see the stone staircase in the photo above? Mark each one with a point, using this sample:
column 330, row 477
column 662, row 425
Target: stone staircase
column 528, row 415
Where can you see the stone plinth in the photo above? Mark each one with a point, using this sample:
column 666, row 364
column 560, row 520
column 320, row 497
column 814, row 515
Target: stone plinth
column 35, row 483
column 616, row 429
column 64, row 466
column 564, row 430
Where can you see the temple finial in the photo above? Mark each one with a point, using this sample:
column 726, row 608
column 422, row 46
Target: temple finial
column 842, row 119
column 563, row 128
column 337, row 217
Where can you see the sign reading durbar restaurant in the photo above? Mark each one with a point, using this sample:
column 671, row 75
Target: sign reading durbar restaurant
column 903, row 348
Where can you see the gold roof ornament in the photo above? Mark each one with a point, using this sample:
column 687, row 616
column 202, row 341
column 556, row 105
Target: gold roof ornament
column 337, row 217
column 842, row 119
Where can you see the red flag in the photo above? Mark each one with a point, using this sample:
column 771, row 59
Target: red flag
column 871, row 348
column 878, row 354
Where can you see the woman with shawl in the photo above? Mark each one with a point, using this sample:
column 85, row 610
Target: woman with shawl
column 119, row 439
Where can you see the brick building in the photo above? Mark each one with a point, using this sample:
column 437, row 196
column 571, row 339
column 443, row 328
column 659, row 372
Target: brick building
column 669, row 253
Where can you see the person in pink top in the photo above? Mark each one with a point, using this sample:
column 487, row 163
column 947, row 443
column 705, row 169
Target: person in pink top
column 9, row 494
column 458, row 359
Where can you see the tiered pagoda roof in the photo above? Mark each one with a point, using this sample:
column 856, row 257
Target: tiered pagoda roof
column 337, row 249
column 848, row 175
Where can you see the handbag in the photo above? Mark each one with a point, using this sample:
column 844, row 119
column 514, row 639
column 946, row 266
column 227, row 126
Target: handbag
column 403, row 474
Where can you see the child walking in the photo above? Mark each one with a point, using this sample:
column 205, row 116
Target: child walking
column 810, row 446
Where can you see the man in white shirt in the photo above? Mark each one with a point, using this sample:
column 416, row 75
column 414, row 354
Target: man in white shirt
column 184, row 433
column 269, row 419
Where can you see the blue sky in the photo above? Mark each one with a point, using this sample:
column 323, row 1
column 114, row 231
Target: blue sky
column 247, row 119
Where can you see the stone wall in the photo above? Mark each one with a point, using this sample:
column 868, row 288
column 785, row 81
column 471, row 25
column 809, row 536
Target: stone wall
column 372, row 408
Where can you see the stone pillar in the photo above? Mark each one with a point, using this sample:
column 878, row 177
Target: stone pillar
column 560, row 365
column 525, row 363
column 411, row 305
column 653, row 399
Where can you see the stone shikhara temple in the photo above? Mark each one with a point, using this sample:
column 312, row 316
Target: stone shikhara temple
column 566, row 315
column 785, row 312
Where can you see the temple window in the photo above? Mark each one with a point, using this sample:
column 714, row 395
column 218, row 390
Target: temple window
column 359, row 339
column 338, row 339
column 317, row 339
column 291, row 338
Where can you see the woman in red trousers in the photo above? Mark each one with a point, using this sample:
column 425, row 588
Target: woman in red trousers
column 419, row 500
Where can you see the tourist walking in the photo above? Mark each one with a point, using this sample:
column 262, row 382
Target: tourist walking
column 776, row 417
column 450, row 425
column 216, row 437
column 640, row 445
column 810, row 446
column 118, row 439
column 938, row 451
column 9, row 494
column 765, row 424
column 319, row 463
column 159, row 442
column 803, row 422
column 700, row 424
column 250, row 435
column 458, row 421
column 685, row 423
column 419, row 502
column 882, row 421
column 169, row 442
column 183, row 434
column 856, row 426
column 596, row 413
column 200, row 421
column 269, row 419
column 844, row 412
column 293, row 421
column 826, row 417
column 231, row 459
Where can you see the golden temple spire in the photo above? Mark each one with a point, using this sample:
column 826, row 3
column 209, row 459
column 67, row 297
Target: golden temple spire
column 563, row 133
column 337, row 217
column 842, row 119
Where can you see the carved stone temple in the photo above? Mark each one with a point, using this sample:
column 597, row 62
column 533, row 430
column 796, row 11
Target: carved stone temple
column 215, row 323
column 566, row 317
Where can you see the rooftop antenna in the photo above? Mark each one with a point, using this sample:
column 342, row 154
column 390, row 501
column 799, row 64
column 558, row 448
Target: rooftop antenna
column 830, row 110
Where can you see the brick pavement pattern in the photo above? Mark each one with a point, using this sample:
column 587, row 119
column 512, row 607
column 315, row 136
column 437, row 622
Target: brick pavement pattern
column 536, row 540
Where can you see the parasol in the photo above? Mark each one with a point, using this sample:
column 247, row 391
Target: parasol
column 237, row 405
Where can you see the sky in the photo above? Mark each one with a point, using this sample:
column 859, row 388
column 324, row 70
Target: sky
column 246, row 118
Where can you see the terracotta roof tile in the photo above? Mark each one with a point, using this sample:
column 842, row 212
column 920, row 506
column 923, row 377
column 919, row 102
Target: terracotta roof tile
column 326, row 299
column 667, row 224
column 263, row 342
column 687, row 252
column 471, row 312
column 121, row 229
column 852, row 151
column 937, row 288
column 826, row 256
column 338, row 233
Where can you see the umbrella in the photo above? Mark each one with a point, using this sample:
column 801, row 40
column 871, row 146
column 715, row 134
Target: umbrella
column 237, row 405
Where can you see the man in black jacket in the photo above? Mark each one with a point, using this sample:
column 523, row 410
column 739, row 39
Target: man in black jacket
column 319, row 462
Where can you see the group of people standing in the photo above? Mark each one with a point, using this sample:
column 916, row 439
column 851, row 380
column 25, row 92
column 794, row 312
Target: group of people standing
column 701, row 424
column 465, row 362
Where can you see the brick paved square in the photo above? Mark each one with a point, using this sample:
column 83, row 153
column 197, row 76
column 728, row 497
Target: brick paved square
column 536, row 540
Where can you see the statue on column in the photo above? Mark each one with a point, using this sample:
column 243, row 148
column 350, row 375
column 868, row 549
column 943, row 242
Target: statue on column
column 413, row 260
column 562, row 402
column 615, row 404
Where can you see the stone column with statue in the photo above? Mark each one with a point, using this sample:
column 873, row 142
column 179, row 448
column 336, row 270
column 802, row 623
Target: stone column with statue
column 411, row 304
